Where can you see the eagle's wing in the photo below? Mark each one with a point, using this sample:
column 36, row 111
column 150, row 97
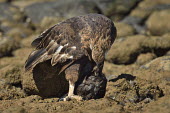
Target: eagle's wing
column 58, row 43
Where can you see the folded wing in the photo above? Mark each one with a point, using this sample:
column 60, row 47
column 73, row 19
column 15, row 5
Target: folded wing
column 56, row 44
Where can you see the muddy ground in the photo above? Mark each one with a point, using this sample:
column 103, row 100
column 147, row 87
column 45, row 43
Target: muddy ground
column 137, row 66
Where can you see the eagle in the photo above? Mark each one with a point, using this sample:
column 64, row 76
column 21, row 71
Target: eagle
column 70, row 45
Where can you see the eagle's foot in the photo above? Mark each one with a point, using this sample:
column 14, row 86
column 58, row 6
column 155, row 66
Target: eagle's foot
column 73, row 97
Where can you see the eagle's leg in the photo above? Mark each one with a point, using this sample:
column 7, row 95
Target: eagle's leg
column 72, row 74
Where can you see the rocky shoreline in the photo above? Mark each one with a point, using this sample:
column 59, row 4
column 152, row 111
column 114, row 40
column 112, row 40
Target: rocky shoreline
column 137, row 66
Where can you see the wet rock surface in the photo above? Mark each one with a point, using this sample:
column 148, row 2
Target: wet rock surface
column 137, row 66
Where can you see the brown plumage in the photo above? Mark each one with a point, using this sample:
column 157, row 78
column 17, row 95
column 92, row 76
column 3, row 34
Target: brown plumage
column 69, row 42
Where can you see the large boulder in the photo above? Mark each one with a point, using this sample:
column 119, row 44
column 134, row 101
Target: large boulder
column 145, row 58
column 116, row 9
column 158, row 22
column 125, row 51
column 159, row 64
column 124, row 29
column 146, row 7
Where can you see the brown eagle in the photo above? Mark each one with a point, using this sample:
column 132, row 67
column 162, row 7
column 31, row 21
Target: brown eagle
column 73, row 43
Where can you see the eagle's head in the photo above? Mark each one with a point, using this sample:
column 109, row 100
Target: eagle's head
column 99, row 47
column 98, row 54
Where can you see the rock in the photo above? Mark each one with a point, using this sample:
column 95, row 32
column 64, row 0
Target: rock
column 18, row 109
column 60, row 8
column 3, row 84
column 158, row 106
column 159, row 64
column 11, row 74
column 49, row 21
column 124, row 29
column 158, row 22
column 144, row 58
column 16, row 33
column 11, row 92
column 7, row 26
column 10, row 12
column 137, row 24
column 7, row 45
column 126, row 51
column 2, row 0
column 22, row 54
column 146, row 7
column 112, row 70
column 26, row 42
column 15, row 30
column 132, row 20
column 17, row 60
column 116, row 9
column 168, row 53
column 131, row 89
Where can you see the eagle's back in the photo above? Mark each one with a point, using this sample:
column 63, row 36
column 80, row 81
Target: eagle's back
column 70, row 39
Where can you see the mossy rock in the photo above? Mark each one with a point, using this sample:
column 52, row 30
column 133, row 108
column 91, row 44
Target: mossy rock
column 131, row 89
column 7, row 46
column 158, row 22
column 126, row 50
column 11, row 92
column 124, row 29
column 147, row 7
column 116, row 9
column 11, row 73
column 159, row 64
column 145, row 58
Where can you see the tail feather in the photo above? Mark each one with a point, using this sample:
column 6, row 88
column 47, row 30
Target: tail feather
column 36, row 57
